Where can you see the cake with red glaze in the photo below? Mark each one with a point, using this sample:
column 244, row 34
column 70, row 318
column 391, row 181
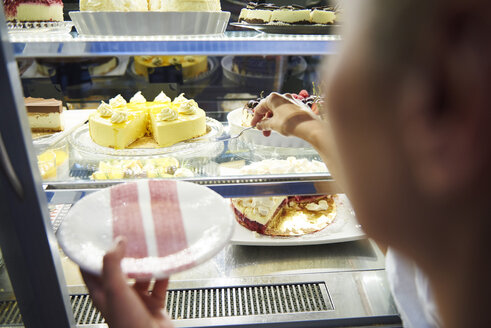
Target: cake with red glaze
column 33, row 10
column 313, row 102
column 285, row 215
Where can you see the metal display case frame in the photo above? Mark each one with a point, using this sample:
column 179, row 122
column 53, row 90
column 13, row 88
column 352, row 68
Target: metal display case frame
column 29, row 246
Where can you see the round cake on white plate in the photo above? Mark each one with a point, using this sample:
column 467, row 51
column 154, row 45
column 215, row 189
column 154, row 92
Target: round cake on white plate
column 150, row 5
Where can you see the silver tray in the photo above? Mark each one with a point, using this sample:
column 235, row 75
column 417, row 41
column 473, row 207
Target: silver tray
column 81, row 141
column 316, row 29
column 149, row 23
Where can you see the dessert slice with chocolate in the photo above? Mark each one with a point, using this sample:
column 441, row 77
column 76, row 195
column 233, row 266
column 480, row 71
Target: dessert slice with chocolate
column 44, row 115
column 256, row 13
column 323, row 15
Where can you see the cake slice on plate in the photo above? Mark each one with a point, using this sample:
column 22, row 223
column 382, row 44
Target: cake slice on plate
column 177, row 121
column 285, row 216
column 44, row 115
column 33, row 10
column 257, row 213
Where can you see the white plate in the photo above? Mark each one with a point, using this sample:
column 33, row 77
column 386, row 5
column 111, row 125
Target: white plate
column 344, row 228
column 149, row 23
column 80, row 139
column 170, row 226
column 256, row 137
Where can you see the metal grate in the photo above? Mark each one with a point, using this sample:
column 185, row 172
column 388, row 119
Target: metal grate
column 248, row 300
column 84, row 311
column 10, row 314
column 208, row 303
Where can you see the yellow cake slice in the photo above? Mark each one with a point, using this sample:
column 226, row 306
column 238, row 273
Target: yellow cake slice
column 117, row 125
column 178, row 121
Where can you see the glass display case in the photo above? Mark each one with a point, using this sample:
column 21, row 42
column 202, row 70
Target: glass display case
column 320, row 281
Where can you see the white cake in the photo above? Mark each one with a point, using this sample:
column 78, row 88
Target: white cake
column 184, row 5
column 113, row 5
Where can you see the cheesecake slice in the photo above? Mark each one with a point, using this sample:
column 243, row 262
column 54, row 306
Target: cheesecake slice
column 322, row 15
column 291, row 15
column 119, row 126
column 256, row 13
column 175, row 122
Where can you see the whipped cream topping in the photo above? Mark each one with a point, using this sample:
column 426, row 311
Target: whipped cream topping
column 119, row 117
column 290, row 165
column 138, row 98
column 321, row 206
column 188, row 107
column 105, row 110
column 162, row 98
column 167, row 114
column 180, row 99
column 260, row 205
column 117, row 101
column 183, row 172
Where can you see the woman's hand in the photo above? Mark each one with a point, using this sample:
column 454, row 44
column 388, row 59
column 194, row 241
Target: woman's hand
column 285, row 115
column 122, row 305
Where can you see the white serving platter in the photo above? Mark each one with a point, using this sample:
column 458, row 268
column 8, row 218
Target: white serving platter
column 151, row 23
column 344, row 228
column 170, row 226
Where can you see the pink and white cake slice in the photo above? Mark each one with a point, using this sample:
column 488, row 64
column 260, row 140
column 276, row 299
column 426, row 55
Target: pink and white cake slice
column 34, row 10
column 170, row 226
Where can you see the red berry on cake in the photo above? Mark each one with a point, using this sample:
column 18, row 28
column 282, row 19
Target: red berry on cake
column 304, row 93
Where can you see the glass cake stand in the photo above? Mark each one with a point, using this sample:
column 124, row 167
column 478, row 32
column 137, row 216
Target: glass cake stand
column 205, row 145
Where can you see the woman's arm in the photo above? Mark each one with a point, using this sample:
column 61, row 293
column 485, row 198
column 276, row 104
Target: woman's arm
column 285, row 115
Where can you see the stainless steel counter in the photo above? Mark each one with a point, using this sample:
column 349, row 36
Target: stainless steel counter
column 247, row 261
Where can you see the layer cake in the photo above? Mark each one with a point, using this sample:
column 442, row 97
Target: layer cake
column 33, row 10
column 44, row 115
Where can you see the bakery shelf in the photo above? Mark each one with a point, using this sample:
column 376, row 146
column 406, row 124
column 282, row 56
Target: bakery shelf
column 236, row 43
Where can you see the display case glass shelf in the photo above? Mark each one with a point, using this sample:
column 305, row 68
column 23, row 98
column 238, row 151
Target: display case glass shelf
column 235, row 42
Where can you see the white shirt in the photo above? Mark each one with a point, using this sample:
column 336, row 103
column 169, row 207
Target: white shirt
column 411, row 291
